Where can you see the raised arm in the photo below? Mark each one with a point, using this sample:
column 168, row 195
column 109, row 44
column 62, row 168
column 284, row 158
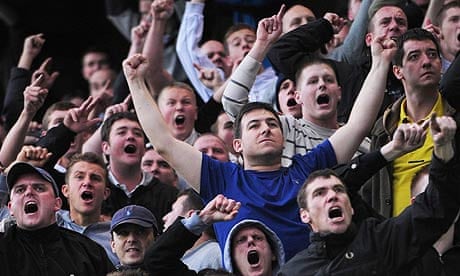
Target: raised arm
column 34, row 97
column 153, row 47
column 188, row 52
column 242, row 79
column 180, row 155
column 346, row 139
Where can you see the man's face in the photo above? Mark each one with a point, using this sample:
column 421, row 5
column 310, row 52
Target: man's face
column 421, row 65
column 328, row 206
column 55, row 118
column 389, row 21
column 212, row 146
column 239, row 43
column 130, row 241
column 286, row 99
column 153, row 162
column 252, row 253
column 296, row 16
column 215, row 51
column 178, row 107
column 98, row 85
column 92, row 62
column 177, row 209
column 225, row 130
column 450, row 33
column 318, row 93
column 86, row 188
column 33, row 202
column 126, row 143
column 261, row 137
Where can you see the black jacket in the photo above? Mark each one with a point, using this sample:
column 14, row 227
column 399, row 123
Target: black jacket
column 156, row 196
column 51, row 251
column 387, row 247
column 164, row 257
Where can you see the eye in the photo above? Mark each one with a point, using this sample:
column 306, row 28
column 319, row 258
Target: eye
column 339, row 189
column 123, row 233
column 413, row 57
column 19, row 190
column 312, row 81
column 163, row 164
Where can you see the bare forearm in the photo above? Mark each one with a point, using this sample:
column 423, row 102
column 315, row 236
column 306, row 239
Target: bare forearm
column 15, row 139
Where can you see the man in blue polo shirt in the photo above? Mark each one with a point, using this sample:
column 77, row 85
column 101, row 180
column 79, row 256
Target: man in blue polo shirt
column 266, row 190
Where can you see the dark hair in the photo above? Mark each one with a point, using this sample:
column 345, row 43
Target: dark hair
column 107, row 125
column 302, row 194
column 248, row 108
column 193, row 200
column 313, row 60
column 235, row 28
column 88, row 157
column 61, row 106
column 377, row 5
column 214, row 272
column 418, row 34
column 442, row 12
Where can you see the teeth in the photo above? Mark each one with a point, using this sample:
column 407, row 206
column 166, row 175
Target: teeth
column 335, row 212
column 180, row 119
column 31, row 207
column 253, row 257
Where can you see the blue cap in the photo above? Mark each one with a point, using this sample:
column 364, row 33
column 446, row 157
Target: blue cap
column 22, row 168
column 134, row 214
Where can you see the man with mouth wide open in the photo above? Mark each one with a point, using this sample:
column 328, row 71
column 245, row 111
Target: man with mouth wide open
column 36, row 245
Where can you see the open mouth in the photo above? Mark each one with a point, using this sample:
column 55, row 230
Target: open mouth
column 291, row 102
column 323, row 99
column 31, row 207
column 86, row 195
column 180, row 120
column 130, row 149
column 335, row 212
column 132, row 249
column 458, row 37
column 253, row 257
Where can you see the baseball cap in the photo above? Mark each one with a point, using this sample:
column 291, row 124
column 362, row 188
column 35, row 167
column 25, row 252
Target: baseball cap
column 134, row 214
column 22, row 168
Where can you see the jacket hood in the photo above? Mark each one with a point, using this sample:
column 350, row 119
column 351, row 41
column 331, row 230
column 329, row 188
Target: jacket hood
column 273, row 239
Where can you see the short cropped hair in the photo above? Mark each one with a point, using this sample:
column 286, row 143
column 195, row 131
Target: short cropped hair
column 302, row 194
column 248, row 108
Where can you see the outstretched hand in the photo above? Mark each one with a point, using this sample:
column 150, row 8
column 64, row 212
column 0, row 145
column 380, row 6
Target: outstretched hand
column 33, row 45
column 220, row 208
column 336, row 21
column 34, row 96
column 48, row 77
column 36, row 156
column 77, row 119
column 269, row 29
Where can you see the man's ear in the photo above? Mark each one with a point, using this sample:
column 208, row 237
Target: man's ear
column 397, row 72
column 105, row 147
column 57, row 204
column 107, row 192
column 65, row 190
column 368, row 39
column 297, row 97
column 304, row 216
column 237, row 145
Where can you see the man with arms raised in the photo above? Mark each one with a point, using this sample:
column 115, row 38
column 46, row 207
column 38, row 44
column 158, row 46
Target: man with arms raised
column 265, row 189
